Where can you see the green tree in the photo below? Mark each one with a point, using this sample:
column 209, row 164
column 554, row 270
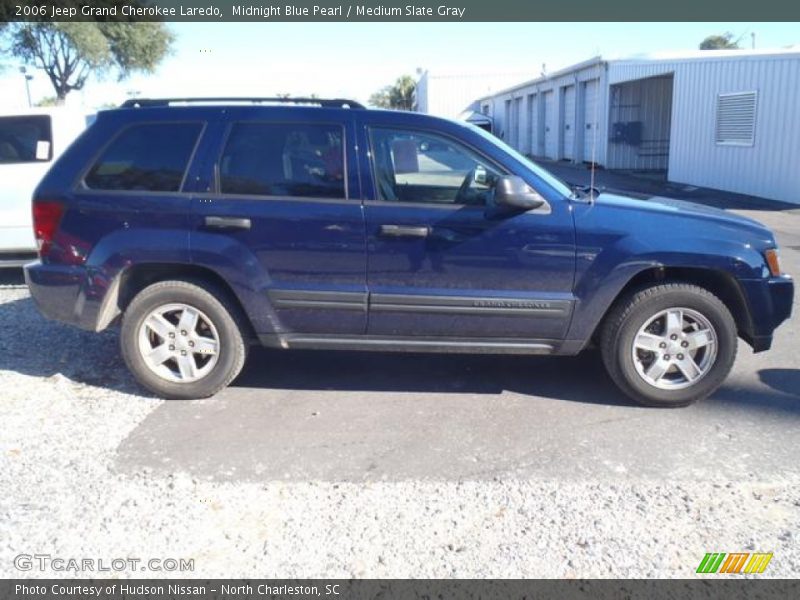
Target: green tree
column 399, row 95
column 48, row 101
column 724, row 41
column 69, row 52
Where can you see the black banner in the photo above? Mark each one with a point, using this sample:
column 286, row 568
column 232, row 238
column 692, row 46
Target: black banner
column 397, row 10
column 711, row 588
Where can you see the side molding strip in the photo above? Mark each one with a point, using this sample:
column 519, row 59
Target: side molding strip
column 315, row 299
column 408, row 303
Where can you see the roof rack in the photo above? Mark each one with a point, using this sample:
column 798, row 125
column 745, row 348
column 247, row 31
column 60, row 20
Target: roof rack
column 324, row 102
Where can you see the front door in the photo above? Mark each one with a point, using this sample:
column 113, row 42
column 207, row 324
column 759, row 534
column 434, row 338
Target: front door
column 443, row 262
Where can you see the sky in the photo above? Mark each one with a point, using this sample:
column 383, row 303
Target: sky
column 353, row 60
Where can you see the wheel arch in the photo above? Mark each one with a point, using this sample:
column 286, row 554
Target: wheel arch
column 135, row 278
column 718, row 282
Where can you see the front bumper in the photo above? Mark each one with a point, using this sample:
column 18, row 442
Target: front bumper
column 770, row 303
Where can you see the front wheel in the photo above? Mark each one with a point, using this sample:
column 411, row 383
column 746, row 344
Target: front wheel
column 181, row 341
column 669, row 345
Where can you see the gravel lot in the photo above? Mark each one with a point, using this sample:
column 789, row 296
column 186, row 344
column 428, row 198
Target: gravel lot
column 91, row 467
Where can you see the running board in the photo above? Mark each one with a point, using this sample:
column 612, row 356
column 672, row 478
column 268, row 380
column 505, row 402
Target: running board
column 441, row 345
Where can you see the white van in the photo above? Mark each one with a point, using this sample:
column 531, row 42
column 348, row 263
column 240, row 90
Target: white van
column 30, row 140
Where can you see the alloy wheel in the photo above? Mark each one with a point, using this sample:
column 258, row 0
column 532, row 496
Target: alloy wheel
column 179, row 343
column 675, row 348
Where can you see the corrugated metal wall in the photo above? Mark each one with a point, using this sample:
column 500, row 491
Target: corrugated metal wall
column 771, row 166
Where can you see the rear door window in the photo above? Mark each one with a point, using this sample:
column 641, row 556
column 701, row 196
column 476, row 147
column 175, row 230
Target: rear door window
column 25, row 139
column 300, row 160
column 151, row 157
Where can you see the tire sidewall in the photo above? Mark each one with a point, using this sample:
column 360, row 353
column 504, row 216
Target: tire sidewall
column 230, row 340
column 724, row 327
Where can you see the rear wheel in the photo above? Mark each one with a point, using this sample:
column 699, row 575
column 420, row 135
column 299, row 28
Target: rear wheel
column 669, row 345
column 181, row 341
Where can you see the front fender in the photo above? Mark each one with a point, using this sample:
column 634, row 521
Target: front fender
column 606, row 266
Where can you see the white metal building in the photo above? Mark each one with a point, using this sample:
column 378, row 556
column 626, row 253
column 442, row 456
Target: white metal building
column 449, row 94
column 724, row 119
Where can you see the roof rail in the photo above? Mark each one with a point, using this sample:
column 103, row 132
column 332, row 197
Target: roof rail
column 325, row 102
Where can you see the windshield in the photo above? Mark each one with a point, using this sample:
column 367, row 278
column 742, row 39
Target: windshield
column 548, row 177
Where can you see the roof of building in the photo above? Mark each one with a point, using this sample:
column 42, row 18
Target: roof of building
column 656, row 57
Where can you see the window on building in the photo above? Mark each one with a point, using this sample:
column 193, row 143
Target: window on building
column 151, row 157
column 423, row 167
column 25, row 139
column 294, row 160
column 736, row 119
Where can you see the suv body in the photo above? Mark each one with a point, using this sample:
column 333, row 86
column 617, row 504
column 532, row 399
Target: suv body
column 336, row 227
column 30, row 140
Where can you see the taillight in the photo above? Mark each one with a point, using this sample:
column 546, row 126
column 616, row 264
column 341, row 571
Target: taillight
column 46, row 217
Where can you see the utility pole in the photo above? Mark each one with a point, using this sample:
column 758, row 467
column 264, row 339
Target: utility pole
column 753, row 40
column 28, row 78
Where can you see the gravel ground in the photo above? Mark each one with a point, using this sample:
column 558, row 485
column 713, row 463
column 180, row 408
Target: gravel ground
column 68, row 404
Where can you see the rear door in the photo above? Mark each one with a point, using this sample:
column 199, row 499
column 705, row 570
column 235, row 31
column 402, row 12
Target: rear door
column 282, row 218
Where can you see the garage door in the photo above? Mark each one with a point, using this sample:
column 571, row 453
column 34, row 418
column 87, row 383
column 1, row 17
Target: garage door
column 568, row 122
column 590, row 119
column 550, row 126
column 533, row 125
column 517, row 138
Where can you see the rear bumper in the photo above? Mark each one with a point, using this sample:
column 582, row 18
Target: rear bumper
column 54, row 289
column 66, row 293
column 770, row 302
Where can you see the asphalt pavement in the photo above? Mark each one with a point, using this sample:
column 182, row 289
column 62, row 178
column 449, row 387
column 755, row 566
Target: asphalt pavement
column 358, row 416
column 357, row 464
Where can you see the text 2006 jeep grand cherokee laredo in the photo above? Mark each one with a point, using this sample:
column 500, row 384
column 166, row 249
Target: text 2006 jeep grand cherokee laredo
column 203, row 226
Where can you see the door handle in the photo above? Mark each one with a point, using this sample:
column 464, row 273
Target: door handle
column 227, row 223
column 398, row 231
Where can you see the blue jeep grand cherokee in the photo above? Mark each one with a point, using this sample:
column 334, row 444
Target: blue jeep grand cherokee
column 203, row 226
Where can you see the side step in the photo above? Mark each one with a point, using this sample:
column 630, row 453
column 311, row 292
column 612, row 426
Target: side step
column 404, row 344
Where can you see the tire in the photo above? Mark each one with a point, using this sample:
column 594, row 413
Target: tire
column 642, row 358
column 194, row 328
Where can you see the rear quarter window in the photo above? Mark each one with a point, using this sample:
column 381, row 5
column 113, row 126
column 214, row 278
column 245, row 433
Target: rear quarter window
column 151, row 157
column 26, row 139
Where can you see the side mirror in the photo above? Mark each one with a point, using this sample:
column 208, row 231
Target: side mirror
column 512, row 192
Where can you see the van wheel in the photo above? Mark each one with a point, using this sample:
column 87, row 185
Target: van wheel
column 669, row 345
column 181, row 341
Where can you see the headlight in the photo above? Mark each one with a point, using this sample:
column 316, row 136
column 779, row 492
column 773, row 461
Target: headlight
column 773, row 262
